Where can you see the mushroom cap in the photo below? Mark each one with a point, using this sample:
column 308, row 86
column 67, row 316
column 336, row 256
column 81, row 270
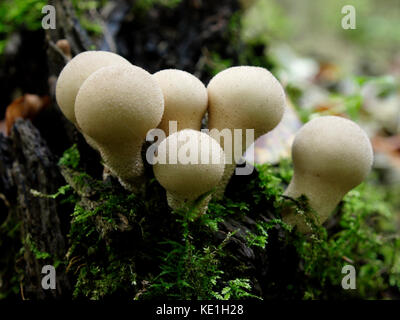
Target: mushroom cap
column 190, row 180
column 76, row 72
column 119, row 104
column 334, row 149
column 185, row 99
column 245, row 97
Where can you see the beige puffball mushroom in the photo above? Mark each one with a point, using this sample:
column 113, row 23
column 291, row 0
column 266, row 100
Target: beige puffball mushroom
column 243, row 98
column 185, row 99
column 76, row 72
column 185, row 180
column 116, row 106
column 331, row 156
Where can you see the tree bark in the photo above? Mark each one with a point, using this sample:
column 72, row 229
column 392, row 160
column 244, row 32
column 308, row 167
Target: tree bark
column 26, row 164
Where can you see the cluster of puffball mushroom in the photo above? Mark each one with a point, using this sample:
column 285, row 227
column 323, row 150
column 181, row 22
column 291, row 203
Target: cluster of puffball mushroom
column 115, row 104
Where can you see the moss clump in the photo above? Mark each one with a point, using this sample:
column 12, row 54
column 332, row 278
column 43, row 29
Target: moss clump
column 70, row 158
column 131, row 247
column 362, row 234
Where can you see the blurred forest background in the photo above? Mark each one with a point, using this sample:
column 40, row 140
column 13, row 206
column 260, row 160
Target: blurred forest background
column 325, row 70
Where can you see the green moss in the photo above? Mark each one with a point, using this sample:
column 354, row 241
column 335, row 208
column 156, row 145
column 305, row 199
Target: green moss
column 125, row 245
column 235, row 290
column 70, row 158
column 98, row 281
column 39, row 255
column 83, row 9
column 145, row 5
column 364, row 236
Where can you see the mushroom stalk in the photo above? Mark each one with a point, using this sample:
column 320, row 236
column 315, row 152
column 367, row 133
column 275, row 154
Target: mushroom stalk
column 177, row 202
column 322, row 197
column 125, row 162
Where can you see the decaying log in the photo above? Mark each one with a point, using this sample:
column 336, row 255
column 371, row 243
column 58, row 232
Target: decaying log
column 27, row 164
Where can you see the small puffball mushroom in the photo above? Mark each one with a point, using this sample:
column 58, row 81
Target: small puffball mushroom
column 331, row 156
column 243, row 98
column 76, row 72
column 187, row 177
column 116, row 106
column 185, row 99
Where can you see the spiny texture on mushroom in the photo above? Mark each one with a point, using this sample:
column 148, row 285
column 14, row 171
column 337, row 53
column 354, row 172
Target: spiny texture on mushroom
column 331, row 156
column 116, row 106
column 185, row 99
column 76, row 72
column 243, row 98
column 184, row 180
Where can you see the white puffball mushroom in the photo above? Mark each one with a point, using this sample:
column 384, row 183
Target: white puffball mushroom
column 116, row 106
column 185, row 99
column 76, row 72
column 331, row 156
column 193, row 165
column 243, row 98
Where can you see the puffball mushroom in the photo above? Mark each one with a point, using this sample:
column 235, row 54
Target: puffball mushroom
column 185, row 99
column 76, row 72
column 185, row 180
column 331, row 156
column 116, row 106
column 243, row 97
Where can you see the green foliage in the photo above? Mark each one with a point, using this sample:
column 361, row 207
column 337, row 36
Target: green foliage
column 61, row 191
column 272, row 181
column 264, row 21
column 39, row 255
column 365, row 236
column 288, row 22
column 366, row 239
column 122, row 245
column 235, row 290
column 100, row 281
column 188, row 272
column 15, row 14
column 70, row 158
column 84, row 10
column 144, row 5
column 259, row 237
column 100, row 267
column 18, row 14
